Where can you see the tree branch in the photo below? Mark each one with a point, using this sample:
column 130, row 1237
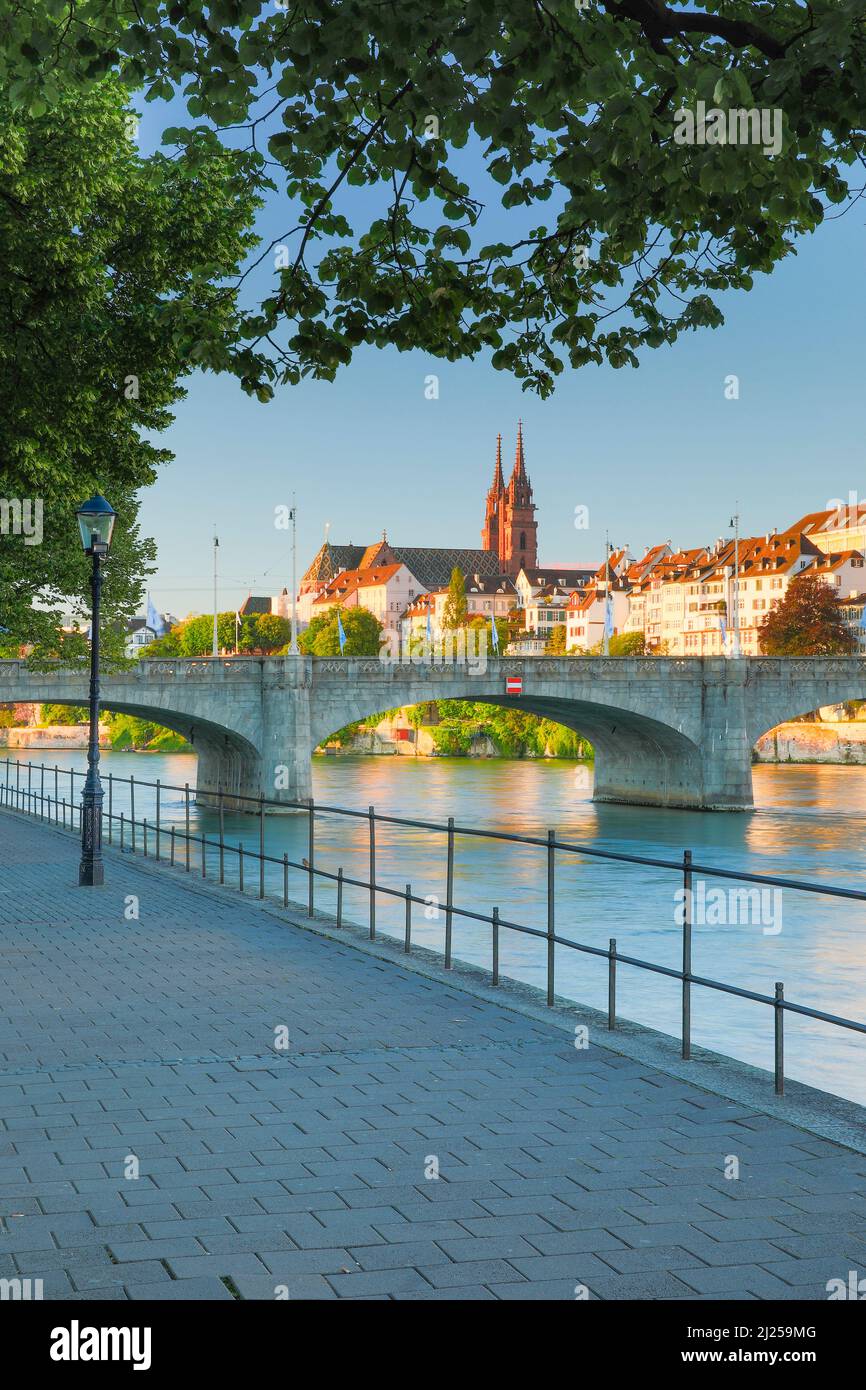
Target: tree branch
column 659, row 22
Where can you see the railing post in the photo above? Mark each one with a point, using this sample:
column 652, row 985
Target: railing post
column 496, row 945
column 340, row 896
column 110, row 805
column 186, row 794
column 57, row 795
column 132, row 809
column 222, row 838
column 285, row 880
column 551, row 914
column 122, row 829
column 372, row 815
column 449, row 892
column 311, row 859
column 64, row 813
column 171, row 846
column 687, row 954
column 611, row 985
column 157, row 817
column 407, row 941
column 144, row 834
column 779, row 1012
column 203, row 855
column 240, row 867
column 262, row 846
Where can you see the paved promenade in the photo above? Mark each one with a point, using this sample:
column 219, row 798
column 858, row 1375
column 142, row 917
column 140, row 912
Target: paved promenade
column 151, row 1047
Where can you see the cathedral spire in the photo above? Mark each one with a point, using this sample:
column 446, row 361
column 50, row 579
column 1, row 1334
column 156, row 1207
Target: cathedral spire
column 495, row 494
column 519, row 460
column 498, row 480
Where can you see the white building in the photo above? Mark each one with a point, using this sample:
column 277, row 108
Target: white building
column 586, row 615
column 386, row 591
column 567, row 578
column 139, row 635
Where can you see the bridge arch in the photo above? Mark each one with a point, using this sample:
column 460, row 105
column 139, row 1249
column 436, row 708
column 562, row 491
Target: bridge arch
column 228, row 760
column 639, row 758
column 786, row 689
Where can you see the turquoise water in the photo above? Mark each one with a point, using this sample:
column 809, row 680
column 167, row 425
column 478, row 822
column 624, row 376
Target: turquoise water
column 809, row 822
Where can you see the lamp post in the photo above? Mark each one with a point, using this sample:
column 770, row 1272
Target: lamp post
column 96, row 522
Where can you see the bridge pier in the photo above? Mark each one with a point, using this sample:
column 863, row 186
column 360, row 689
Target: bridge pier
column 226, row 767
column 274, row 759
column 648, row 763
column 638, row 776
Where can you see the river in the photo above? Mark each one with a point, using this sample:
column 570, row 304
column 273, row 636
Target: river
column 809, row 822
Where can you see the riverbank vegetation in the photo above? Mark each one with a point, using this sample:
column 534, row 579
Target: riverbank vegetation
column 456, row 727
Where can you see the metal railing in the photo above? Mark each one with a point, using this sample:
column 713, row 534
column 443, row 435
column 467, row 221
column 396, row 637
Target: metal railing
column 121, row 830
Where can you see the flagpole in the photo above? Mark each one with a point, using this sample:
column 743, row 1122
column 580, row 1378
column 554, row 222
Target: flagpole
column 606, row 640
column 737, row 582
column 294, row 644
column 216, row 543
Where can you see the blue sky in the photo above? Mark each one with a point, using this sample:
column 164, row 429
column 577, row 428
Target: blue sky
column 656, row 453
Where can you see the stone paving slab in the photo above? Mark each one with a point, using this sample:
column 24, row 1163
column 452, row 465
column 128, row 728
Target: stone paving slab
column 411, row 1142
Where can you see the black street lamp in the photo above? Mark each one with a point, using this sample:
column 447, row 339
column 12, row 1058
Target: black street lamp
column 96, row 522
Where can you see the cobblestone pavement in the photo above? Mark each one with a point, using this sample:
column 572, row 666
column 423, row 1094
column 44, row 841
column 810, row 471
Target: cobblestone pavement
column 152, row 1044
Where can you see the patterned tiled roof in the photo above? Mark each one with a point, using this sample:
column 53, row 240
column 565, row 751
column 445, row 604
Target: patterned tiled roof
column 431, row 566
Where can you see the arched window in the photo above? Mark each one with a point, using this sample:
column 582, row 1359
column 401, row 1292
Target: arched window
column 523, row 540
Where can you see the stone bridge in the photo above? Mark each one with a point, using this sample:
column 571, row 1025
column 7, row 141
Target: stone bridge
column 667, row 731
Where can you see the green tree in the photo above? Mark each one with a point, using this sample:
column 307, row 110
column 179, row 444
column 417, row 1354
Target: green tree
column 362, row 628
column 625, row 229
column 455, row 610
column 502, row 632
column 114, row 274
column 127, row 731
column 807, row 621
column 195, row 635
column 555, row 644
column 628, row 644
column 64, row 714
column 271, row 632
column 167, row 645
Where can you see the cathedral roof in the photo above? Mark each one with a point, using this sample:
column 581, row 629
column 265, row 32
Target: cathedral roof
column 431, row 566
column 331, row 560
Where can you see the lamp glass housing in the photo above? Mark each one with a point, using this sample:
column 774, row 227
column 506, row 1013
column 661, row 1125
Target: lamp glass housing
column 96, row 520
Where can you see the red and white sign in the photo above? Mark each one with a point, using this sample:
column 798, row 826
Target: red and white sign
column 514, row 685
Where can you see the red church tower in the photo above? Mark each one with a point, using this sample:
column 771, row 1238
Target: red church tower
column 490, row 529
column 510, row 527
